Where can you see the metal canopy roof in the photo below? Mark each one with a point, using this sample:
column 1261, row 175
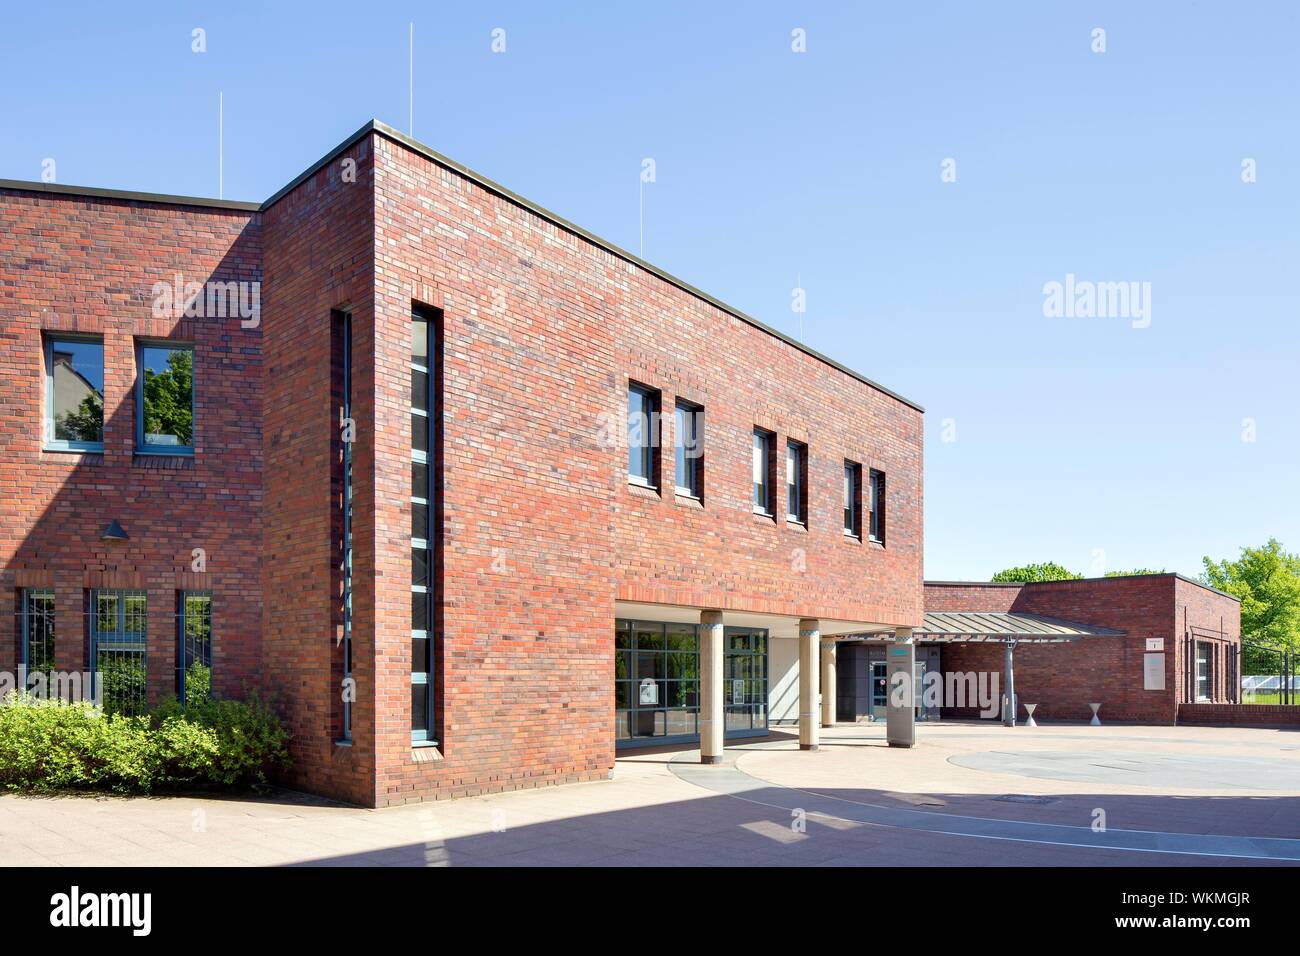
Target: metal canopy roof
column 995, row 627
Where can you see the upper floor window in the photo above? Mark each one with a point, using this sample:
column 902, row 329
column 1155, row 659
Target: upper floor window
column 796, row 465
column 853, row 499
column 164, row 399
column 877, row 529
column 689, row 438
column 642, row 434
column 74, row 393
column 763, row 472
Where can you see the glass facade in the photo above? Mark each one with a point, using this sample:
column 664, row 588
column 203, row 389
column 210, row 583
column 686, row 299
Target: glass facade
column 657, row 682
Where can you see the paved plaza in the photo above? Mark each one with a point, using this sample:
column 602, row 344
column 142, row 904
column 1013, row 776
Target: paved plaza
column 968, row 794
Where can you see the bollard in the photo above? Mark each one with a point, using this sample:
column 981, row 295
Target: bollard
column 1095, row 722
column 1029, row 709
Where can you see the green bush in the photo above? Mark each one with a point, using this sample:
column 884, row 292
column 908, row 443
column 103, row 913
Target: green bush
column 51, row 745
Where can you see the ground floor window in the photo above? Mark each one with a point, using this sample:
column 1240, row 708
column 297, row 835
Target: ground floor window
column 657, row 682
column 744, row 683
column 194, row 646
column 1204, row 671
column 38, row 631
column 118, row 638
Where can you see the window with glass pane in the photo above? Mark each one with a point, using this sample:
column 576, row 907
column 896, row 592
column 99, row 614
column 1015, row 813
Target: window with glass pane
column 690, row 449
column 852, row 499
column 642, row 426
column 194, row 647
column 744, row 684
column 38, row 631
column 118, row 643
column 877, row 483
column 165, row 398
column 424, row 423
column 762, row 471
column 656, row 680
column 74, row 394
column 795, row 461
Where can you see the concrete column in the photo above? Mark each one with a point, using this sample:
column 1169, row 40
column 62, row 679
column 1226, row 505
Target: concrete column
column 900, row 714
column 828, row 684
column 810, row 635
column 711, row 662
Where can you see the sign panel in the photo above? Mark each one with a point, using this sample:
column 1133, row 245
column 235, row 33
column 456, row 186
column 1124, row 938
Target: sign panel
column 649, row 691
column 1155, row 643
column 1153, row 671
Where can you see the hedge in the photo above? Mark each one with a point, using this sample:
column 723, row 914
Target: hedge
column 48, row 745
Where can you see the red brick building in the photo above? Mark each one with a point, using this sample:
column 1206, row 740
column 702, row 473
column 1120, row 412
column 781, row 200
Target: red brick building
column 1187, row 634
column 475, row 495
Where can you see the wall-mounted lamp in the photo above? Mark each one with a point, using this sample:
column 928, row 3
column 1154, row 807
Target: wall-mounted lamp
column 113, row 532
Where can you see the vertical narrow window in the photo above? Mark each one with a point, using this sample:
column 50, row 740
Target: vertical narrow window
column 762, row 472
column 853, row 499
column 164, row 399
column 347, row 435
column 194, row 647
column 38, row 633
column 796, row 465
column 642, row 434
column 118, row 640
column 877, row 482
column 74, row 394
column 424, row 445
column 689, row 440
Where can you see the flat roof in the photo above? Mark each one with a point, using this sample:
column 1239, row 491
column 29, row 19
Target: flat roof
column 383, row 129
column 1038, row 584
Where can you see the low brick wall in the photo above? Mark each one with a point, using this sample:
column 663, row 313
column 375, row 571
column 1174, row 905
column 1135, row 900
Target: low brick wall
column 1241, row 714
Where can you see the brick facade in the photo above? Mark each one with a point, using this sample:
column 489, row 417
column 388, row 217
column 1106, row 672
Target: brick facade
column 83, row 264
column 1062, row 679
column 542, row 327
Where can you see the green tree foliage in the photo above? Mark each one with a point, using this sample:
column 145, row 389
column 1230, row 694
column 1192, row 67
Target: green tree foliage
column 84, row 424
column 1267, row 579
column 1048, row 571
column 1135, row 571
column 167, row 395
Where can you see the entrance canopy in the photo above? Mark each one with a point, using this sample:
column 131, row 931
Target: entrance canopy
column 995, row 627
column 990, row 627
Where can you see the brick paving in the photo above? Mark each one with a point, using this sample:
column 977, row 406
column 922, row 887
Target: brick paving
column 648, row 815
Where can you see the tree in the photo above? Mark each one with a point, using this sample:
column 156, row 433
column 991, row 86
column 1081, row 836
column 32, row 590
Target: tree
column 86, row 423
column 167, row 397
column 1048, row 571
column 1129, row 574
column 1267, row 580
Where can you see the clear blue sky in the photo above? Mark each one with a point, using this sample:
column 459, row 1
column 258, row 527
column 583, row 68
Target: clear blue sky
column 1073, row 435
